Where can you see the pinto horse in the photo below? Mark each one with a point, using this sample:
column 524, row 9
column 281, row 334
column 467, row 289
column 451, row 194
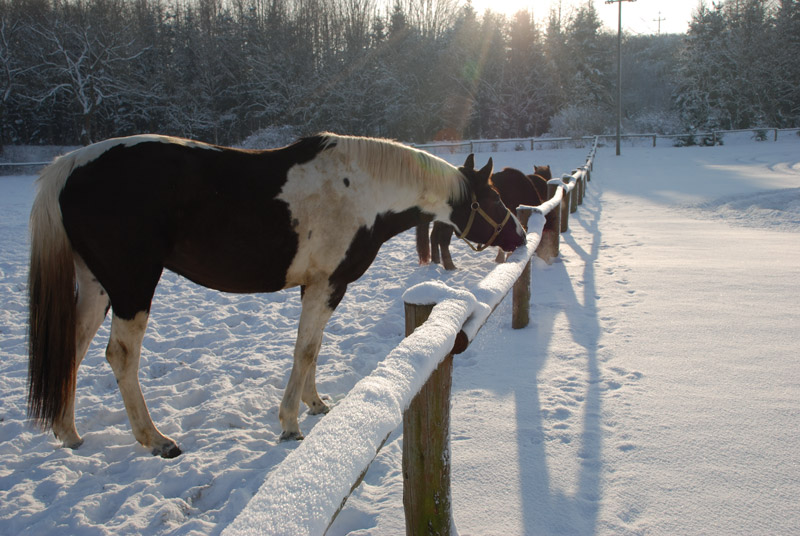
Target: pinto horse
column 108, row 218
column 515, row 189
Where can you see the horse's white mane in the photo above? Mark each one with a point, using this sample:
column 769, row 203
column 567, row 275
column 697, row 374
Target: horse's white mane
column 390, row 161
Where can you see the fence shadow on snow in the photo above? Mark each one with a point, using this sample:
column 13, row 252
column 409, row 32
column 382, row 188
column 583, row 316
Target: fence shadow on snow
column 549, row 509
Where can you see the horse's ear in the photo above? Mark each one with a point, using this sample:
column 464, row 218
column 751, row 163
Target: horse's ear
column 469, row 163
column 486, row 171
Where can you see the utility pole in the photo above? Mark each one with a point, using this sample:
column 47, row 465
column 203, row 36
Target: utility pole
column 619, row 71
column 659, row 19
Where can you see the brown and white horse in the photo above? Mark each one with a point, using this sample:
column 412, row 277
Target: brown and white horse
column 108, row 218
column 515, row 189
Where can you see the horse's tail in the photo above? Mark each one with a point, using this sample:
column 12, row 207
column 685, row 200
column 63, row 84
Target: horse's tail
column 51, row 301
column 423, row 243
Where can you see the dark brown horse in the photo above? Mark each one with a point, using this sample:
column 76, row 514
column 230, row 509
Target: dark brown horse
column 541, row 174
column 515, row 189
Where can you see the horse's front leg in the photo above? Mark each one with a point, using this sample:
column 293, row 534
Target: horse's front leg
column 436, row 245
column 310, row 395
column 302, row 385
column 444, row 233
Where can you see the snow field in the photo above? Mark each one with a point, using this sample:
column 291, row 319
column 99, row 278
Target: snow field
column 655, row 391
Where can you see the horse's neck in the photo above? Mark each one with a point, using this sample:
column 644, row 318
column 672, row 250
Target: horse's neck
column 409, row 197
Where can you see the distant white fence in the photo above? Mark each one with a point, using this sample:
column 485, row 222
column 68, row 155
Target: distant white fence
column 13, row 168
column 531, row 144
column 304, row 494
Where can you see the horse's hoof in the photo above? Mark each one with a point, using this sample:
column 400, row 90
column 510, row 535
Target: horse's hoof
column 167, row 451
column 317, row 408
column 73, row 445
column 291, row 436
column 69, row 437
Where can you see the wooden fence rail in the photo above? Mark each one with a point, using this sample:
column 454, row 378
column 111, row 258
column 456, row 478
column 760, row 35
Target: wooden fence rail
column 303, row 494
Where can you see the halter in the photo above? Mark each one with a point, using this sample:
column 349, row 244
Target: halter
column 476, row 208
column 530, row 180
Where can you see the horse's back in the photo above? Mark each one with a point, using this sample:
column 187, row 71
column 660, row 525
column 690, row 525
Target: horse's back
column 540, row 183
column 515, row 188
column 137, row 205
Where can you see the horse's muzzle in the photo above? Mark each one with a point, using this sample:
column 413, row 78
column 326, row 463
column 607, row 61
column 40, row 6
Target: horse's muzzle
column 512, row 236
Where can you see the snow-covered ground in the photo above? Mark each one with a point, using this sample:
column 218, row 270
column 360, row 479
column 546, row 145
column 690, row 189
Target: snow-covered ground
column 657, row 389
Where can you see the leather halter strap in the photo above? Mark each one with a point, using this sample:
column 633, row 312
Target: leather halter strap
column 476, row 209
column 530, row 181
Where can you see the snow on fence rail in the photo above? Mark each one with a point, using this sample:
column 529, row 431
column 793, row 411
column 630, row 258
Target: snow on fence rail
column 304, row 494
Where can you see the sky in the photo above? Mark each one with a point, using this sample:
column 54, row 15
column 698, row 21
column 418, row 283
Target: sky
column 639, row 17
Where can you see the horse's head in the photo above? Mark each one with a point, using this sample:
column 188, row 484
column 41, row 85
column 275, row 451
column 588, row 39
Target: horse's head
column 543, row 172
column 482, row 217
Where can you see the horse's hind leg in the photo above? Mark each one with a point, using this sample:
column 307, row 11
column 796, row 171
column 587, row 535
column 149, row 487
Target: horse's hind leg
column 123, row 352
column 91, row 307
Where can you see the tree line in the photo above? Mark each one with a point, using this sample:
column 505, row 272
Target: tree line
column 76, row 71
column 740, row 65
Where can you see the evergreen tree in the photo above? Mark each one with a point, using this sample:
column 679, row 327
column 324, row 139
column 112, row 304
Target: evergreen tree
column 784, row 63
column 527, row 91
column 699, row 95
column 589, row 64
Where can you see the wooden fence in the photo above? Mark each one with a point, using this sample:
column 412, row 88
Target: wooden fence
column 410, row 386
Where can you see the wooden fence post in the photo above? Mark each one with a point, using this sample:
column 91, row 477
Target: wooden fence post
column 426, row 446
column 573, row 197
column 581, row 184
column 521, row 295
column 565, row 210
column 548, row 245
